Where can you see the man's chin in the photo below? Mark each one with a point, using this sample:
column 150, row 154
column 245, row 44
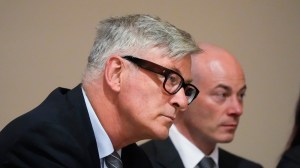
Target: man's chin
column 162, row 134
column 226, row 139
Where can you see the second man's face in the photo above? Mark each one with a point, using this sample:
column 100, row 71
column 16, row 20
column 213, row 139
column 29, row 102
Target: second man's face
column 215, row 113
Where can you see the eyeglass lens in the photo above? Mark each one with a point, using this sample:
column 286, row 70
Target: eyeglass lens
column 173, row 81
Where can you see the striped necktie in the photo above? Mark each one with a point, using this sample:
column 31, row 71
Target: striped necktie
column 113, row 160
column 207, row 162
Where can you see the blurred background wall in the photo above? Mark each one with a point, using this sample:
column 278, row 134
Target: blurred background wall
column 45, row 43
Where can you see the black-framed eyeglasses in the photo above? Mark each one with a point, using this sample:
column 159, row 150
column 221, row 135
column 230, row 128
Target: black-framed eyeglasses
column 173, row 81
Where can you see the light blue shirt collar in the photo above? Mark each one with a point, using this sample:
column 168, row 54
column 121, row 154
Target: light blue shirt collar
column 104, row 144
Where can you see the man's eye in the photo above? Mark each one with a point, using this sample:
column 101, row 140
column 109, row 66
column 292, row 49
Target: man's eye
column 220, row 96
column 173, row 79
column 242, row 95
column 224, row 95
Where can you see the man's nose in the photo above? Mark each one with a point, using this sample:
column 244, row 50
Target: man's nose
column 179, row 100
column 236, row 107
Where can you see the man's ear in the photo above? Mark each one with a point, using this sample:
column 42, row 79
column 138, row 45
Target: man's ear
column 113, row 69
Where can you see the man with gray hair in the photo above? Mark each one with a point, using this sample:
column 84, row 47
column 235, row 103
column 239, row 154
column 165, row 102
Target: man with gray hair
column 137, row 79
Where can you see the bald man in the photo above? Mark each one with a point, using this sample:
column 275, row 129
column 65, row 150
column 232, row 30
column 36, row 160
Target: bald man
column 212, row 118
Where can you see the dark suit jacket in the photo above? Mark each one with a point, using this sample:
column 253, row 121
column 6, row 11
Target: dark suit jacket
column 58, row 133
column 290, row 159
column 163, row 154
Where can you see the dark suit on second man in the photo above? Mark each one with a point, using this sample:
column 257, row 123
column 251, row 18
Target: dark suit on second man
column 163, row 154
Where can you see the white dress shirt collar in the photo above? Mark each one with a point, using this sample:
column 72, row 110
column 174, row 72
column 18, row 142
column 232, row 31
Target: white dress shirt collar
column 104, row 144
column 188, row 152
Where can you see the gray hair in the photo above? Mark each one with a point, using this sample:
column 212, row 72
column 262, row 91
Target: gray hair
column 134, row 33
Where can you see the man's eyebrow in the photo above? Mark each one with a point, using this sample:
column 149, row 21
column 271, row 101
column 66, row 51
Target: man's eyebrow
column 244, row 88
column 188, row 81
column 178, row 71
column 227, row 88
column 173, row 68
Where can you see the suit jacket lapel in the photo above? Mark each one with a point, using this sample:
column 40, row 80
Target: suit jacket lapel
column 134, row 157
column 168, row 155
column 77, row 105
column 226, row 160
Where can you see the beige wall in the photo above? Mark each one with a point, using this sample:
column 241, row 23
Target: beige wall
column 44, row 44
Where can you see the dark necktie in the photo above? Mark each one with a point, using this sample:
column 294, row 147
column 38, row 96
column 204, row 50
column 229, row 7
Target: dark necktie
column 113, row 160
column 207, row 162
